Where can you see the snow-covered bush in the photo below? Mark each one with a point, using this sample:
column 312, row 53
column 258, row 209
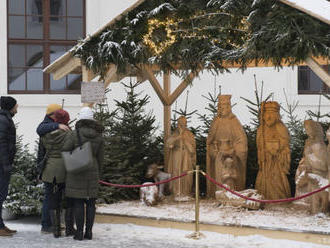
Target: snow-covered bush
column 25, row 192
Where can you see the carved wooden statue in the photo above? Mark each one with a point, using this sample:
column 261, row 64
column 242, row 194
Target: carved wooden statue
column 313, row 168
column 158, row 175
column 182, row 157
column 273, row 154
column 226, row 149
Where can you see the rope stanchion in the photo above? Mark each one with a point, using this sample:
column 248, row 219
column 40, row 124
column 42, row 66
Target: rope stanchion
column 197, row 234
column 265, row 201
column 144, row 185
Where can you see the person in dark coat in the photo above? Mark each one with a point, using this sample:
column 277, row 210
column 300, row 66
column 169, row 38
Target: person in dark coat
column 7, row 152
column 46, row 126
column 83, row 187
column 53, row 175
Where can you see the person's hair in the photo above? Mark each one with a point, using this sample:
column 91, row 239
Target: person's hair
column 61, row 116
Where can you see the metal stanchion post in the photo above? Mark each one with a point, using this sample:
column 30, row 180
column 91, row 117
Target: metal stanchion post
column 196, row 234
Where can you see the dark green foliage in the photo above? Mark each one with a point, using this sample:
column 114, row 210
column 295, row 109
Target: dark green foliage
column 25, row 192
column 280, row 32
column 207, row 32
column 130, row 145
column 196, row 28
column 252, row 158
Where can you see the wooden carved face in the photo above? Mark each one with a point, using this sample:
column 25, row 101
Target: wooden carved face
column 182, row 122
column 224, row 109
column 270, row 118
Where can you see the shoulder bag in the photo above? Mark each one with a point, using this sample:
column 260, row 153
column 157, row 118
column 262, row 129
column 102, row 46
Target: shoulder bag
column 80, row 159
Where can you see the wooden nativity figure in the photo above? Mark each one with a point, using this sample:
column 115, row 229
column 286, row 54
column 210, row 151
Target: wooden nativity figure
column 312, row 172
column 226, row 149
column 273, row 153
column 182, row 158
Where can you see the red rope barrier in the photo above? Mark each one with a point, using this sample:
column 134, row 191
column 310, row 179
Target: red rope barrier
column 144, row 185
column 266, row 201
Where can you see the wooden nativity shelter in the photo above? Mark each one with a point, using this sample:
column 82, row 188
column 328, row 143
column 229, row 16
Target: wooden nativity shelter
column 186, row 36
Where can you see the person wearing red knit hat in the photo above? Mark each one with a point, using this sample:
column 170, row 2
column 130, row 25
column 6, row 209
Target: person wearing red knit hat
column 62, row 117
column 54, row 174
column 48, row 125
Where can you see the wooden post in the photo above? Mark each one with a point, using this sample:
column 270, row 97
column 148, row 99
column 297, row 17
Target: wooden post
column 196, row 234
column 167, row 116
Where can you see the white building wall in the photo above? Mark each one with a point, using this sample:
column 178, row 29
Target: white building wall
column 99, row 12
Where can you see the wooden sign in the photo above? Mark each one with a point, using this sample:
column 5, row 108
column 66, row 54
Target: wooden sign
column 92, row 92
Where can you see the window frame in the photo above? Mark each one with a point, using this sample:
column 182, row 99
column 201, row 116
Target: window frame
column 325, row 88
column 46, row 42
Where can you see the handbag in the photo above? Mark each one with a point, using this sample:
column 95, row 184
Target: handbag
column 79, row 159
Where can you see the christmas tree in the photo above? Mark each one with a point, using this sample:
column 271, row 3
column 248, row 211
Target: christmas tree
column 130, row 144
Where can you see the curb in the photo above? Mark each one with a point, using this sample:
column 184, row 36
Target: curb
column 241, row 230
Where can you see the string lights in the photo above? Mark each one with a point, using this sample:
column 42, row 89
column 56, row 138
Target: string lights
column 172, row 31
column 153, row 24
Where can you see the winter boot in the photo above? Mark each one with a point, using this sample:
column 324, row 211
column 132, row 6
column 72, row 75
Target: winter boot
column 79, row 215
column 69, row 220
column 90, row 216
column 57, row 222
column 3, row 232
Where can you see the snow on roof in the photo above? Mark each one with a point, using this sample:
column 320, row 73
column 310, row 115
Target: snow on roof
column 320, row 9
column 68, row 56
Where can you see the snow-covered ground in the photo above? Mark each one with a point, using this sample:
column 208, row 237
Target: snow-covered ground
column 281, row 217
column 129, row 236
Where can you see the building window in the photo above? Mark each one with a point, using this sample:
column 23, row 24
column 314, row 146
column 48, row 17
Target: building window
column 40, row 31
column 310, row 83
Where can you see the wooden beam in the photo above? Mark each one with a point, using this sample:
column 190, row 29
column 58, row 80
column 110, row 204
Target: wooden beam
column 111, row 73
column 87, row 74
column 167, row 117
column 183, row 85
column 66, row 68
column 140, row 77
column 155, row 84
column 318, row 70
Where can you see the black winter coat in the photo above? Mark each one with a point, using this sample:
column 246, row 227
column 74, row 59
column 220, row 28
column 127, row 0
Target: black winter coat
column 7, row 141
column 46, row 126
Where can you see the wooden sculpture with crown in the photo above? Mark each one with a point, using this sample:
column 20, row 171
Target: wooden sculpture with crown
column 273, row 153
column 226, row 149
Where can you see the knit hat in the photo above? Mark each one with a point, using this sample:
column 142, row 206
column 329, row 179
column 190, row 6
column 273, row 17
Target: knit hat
column 51, row 108
column 86, row 113
column 61, row 116
column 7, row 102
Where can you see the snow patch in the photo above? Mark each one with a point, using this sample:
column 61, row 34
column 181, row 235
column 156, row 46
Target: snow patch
column 290, row 217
